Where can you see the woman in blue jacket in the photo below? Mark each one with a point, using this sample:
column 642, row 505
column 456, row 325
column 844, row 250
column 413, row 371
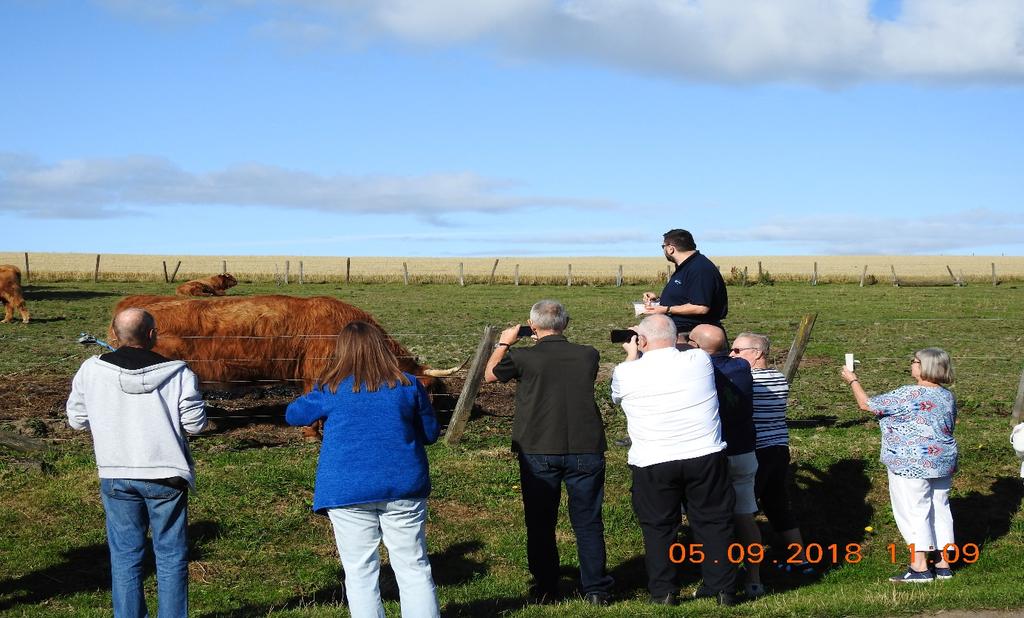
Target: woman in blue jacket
column 372, row 479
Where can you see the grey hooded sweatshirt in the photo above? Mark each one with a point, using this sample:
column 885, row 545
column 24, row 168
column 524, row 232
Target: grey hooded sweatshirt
column 138, row 418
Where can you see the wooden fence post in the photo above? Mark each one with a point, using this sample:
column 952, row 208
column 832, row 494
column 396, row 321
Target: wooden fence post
column 471, row 386
column 668, row 275
column 96, row 271
column 493, row 270
column 348, row 269
column 27, row 270
column 516, row 276
column 796, row 351
column 1018, row 405
column 462, row 275
column 287, row 268
column 760, row 272
column 568, row 276
column 957, row 282
column 895, row 280
column 223, row 267
column 300, row 273
column 744, row 276
column 994, row 280
column 814, row 275
column 175, row 273
column 405, row 273
column 167, row 279
column 863, row 275
column 618, row 277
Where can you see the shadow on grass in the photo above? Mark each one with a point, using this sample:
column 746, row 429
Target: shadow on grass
column 830, row 507
column 979, row 518
column 43, row 293
column 451, row 567
column 86, row 569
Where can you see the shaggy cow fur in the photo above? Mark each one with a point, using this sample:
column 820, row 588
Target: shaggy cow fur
column 211, row 286
column 10, row 293
column 237, row 340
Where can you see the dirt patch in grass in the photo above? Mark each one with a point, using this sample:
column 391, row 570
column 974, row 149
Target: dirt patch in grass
column 34, row 406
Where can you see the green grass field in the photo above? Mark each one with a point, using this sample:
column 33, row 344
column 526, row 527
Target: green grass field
column 257, row 549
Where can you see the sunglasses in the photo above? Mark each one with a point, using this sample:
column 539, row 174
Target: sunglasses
column 738, row 350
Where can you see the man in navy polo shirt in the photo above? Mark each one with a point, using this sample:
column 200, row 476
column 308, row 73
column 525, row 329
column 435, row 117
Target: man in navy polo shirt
column 695, row 293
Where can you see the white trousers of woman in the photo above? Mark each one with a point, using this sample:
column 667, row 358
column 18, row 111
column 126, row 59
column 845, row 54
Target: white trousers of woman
column 358, row 530
column 921, row 509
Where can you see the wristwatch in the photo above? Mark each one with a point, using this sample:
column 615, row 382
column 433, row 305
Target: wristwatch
column 502, row 344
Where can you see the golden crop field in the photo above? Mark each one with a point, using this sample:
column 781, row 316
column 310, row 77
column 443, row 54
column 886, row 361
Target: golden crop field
column 584, row 270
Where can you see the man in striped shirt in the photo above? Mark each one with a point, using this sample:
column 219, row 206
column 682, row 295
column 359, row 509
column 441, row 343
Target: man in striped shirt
column 771, row 392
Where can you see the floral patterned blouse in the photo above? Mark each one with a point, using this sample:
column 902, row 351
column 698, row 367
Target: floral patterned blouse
column 917, row 431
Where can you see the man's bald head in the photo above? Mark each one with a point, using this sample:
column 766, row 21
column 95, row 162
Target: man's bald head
column 709, row 338
column 135, row 328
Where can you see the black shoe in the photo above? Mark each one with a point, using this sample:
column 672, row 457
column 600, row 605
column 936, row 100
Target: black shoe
column 727, row 599
column 665, row 599
column 541, row 596
column 624, row 442
column 597, row 598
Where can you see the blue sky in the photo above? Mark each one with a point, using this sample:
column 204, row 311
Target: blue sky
column 511, row 127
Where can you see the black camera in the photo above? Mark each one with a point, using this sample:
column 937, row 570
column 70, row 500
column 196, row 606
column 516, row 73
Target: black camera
column 623, row 335
column 525, row 331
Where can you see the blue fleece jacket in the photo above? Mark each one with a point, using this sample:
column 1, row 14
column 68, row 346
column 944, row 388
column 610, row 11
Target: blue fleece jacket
column 373, row 443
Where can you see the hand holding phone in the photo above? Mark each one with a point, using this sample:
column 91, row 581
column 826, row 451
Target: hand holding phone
column 525, row 331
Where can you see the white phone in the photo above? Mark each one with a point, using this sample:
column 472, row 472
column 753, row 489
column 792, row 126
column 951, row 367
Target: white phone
column 849, row 362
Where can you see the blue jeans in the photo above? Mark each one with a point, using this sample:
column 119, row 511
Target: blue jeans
column 132, row 506
column 358, row 530
column 541, row 477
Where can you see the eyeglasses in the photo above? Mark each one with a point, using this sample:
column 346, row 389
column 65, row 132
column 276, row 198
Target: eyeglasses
column 738, row 350
column 915, row 362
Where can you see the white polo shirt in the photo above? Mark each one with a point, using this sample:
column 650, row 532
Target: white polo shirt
column 671, row 406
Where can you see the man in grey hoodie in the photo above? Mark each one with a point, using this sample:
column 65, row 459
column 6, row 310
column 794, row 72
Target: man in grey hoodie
column 139, row 406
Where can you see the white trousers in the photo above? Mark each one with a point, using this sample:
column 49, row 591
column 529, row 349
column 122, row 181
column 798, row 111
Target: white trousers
column 402, row 524
column 921, row 509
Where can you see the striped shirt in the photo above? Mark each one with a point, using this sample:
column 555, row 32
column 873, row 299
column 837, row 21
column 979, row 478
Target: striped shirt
column 770, row 394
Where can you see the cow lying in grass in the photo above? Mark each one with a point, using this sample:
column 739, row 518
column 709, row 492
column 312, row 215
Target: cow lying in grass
column 211, row 286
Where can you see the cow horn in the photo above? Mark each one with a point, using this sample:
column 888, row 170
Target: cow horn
column 444, row 373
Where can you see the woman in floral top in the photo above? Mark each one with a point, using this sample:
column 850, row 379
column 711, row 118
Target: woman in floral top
column 919, row 450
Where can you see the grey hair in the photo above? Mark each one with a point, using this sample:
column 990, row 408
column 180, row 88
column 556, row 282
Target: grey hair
column 658, row 328
column 936, row 366
column 760, row 342
column 549, row 315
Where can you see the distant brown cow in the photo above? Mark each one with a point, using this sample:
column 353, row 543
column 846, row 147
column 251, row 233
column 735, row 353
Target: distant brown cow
column 10, row 293
column 211, row 286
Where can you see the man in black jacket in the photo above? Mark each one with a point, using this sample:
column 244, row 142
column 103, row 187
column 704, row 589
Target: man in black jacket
column 559, row 438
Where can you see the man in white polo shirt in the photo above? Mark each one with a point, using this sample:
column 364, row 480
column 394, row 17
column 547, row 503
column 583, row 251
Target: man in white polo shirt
column 677, row 455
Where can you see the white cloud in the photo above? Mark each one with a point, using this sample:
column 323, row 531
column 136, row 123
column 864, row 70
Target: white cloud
column 96, row 188
column 843, row 234
column 826, row 42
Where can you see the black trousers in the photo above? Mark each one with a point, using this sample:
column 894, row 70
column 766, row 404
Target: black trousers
column 771, row 486
column 702, row 484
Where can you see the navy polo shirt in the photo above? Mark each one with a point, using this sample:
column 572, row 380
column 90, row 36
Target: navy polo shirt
column 696, row 281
